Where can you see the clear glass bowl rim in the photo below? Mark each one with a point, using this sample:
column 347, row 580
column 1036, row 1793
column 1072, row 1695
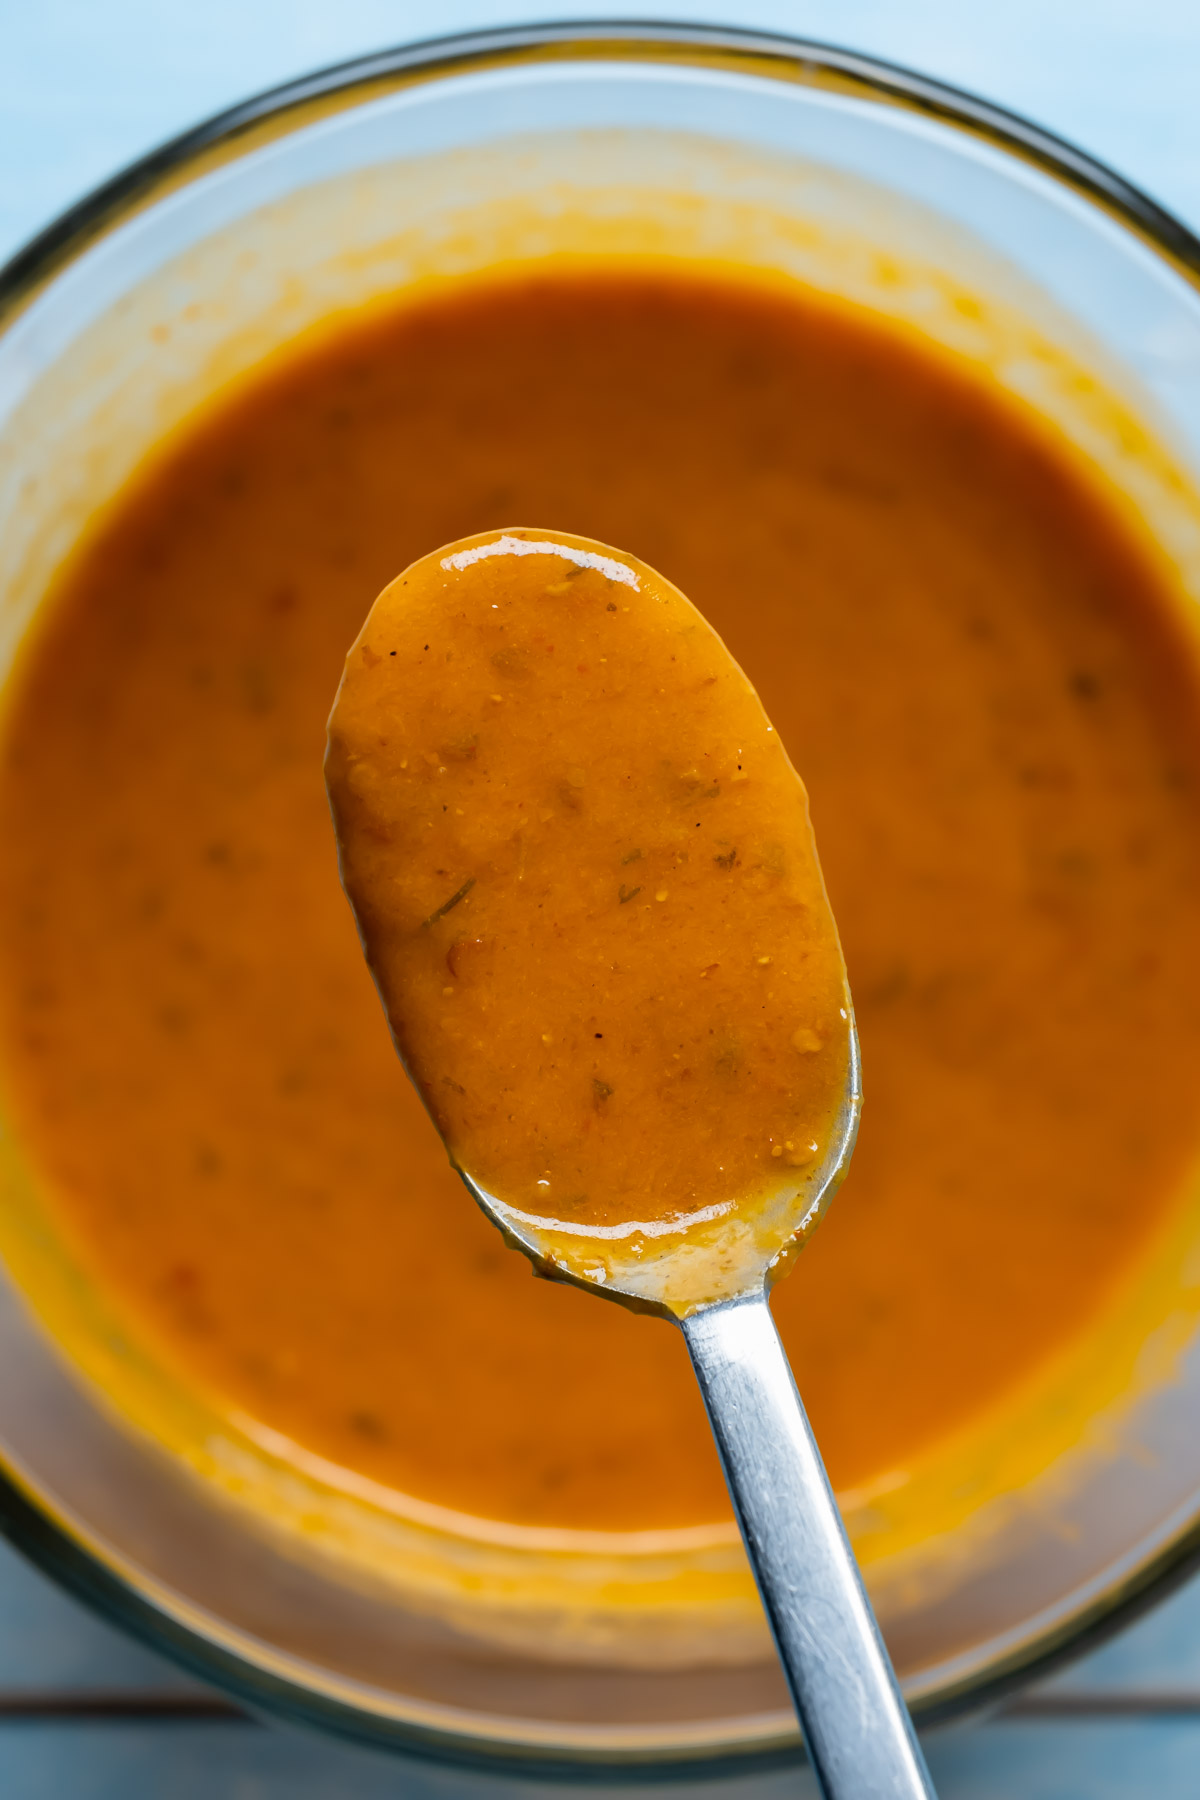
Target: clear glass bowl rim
column 34, row 1530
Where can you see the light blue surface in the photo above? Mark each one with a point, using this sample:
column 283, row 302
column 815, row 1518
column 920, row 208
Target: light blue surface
column 85, row 86
column 1116, row 1759
column 49, row 1642
column 1102, row 1761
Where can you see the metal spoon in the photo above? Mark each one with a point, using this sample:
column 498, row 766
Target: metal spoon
column 707, row 1270
column 856, row 1727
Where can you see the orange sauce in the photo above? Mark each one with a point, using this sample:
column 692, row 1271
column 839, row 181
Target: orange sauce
column 586, row 884
column 970, row 654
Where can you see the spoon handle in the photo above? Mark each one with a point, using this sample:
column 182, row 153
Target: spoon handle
column 856, row 1726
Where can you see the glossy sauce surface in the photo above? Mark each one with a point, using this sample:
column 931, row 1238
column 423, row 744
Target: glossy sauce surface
column 586, row 884
column 963, row 648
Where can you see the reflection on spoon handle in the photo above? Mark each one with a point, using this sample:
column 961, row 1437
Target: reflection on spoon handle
column 856, row 1727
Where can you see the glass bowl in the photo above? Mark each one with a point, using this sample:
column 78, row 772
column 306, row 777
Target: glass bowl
column 418, row 165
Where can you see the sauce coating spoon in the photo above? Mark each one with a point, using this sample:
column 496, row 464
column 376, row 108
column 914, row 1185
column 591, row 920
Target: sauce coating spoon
column 587, row 888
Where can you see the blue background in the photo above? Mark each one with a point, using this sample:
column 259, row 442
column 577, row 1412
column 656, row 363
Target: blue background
column 87, row 85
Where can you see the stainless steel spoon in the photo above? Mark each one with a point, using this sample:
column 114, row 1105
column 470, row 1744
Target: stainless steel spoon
column 856, row 1727
column 707, row 1270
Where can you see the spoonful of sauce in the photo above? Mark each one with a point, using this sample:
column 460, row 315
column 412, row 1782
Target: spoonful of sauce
column 587, row 888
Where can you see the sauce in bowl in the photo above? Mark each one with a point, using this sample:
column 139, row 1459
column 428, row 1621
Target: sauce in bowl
column 969, row 650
